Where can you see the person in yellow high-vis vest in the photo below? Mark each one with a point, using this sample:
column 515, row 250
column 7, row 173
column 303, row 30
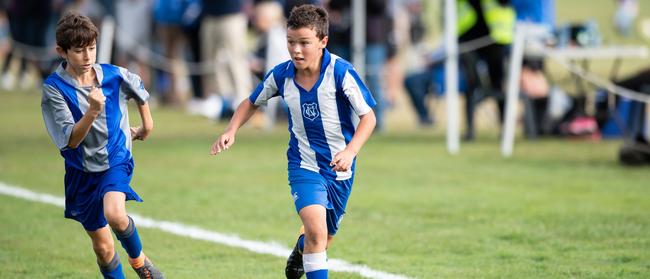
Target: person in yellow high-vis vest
column 477, row 19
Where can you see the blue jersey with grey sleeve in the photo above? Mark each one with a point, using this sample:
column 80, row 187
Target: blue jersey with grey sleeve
column 321, row 119
column 108, row 142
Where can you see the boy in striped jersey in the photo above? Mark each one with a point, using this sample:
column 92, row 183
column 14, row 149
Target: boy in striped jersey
column 324, row 95
column 85, row 113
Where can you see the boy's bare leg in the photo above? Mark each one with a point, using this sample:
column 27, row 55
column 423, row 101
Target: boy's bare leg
column 316, row 237
column 314, row 220
column 126, row 232
column 294, row 268
column 115, row 210
column 107, row 259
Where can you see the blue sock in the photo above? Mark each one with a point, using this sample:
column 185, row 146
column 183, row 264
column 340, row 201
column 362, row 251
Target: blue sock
column 113, row 270
column 317, row 274
column 315, row 265
column 130, row 240
column 301, row 242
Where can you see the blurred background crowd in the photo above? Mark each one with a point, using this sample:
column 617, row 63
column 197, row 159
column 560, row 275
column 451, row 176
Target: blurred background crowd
column 205, row 56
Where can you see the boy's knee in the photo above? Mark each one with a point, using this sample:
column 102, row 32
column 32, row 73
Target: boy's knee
column 114, row 210
column 316, row 243
column 104, row 251
column 117, row 219
column 316, row 239
column 125, row 231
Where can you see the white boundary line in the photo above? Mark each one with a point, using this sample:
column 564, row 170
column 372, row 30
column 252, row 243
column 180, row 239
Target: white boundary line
column 270, row 248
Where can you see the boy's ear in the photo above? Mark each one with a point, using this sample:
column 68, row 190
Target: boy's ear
column 323, row 42
column 61, row 52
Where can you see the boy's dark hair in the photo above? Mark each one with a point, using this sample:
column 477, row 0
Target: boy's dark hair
column 75, row 30
column 309, row 16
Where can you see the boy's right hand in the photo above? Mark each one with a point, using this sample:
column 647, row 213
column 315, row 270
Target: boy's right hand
column 96, row 99
column 224, row 142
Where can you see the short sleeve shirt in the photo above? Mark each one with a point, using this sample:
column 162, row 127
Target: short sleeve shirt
column 108, row 142
column 322, row 120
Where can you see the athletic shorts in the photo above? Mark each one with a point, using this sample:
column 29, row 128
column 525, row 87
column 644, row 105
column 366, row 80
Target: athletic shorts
column 309, row 188
column 84, row 193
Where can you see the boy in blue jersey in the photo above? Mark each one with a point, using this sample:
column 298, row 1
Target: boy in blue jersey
column 85, row 112
column 324, row 94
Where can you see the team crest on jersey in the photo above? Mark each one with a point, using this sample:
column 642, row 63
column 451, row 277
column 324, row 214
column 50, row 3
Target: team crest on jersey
column 310, row 111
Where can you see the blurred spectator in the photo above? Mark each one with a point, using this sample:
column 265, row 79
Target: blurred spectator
column 479, row 19
column 540, row 12
column 340, row 42
column 419, row 79
column 170, row 19
column 269, row 22
column 628, row 118
column 290, row 4
column 539, row 17
column 29, row 21
column 223, row 35
column 4, row 30
column 474, row 30
column 132, row 36
column 624, row 116
column 93, row 9
column 398, row 43
column 427, row 82
column 108, row 6
column 200, row 103
column 378, row 28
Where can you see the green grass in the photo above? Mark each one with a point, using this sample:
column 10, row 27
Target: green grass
column 556, row 209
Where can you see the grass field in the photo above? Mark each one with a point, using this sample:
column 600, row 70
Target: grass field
column 557, row 209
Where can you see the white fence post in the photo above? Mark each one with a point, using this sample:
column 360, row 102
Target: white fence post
column 451, row 78
column 512, row 97
column 106, row 40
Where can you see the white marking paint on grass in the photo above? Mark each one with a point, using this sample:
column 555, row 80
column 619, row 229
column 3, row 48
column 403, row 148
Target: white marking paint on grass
column 194, row 232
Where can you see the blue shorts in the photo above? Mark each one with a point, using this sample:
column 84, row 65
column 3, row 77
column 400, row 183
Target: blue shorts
column 309, row 188
column 84, row 193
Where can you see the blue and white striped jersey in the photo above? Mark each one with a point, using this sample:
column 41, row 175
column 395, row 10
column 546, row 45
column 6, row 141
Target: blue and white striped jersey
column 320, row 120
column 108, row 142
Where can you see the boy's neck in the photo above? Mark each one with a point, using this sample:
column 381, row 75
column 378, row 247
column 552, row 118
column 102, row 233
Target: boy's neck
column 307, row 73
column 83, row 79
column 313, row 70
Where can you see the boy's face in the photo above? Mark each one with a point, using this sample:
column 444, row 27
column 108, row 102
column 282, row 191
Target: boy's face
column 305, row 47
column 81, row 59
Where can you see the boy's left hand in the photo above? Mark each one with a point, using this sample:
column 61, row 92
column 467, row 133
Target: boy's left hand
column 139, row 133
column 343, row 160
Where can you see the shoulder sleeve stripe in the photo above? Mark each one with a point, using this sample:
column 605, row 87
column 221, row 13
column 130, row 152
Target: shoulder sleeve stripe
column 357, row 93
column 265, row 90
column 133, row 86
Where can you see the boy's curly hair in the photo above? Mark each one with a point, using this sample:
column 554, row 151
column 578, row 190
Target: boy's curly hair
column 310, row 16
column 75, row 30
